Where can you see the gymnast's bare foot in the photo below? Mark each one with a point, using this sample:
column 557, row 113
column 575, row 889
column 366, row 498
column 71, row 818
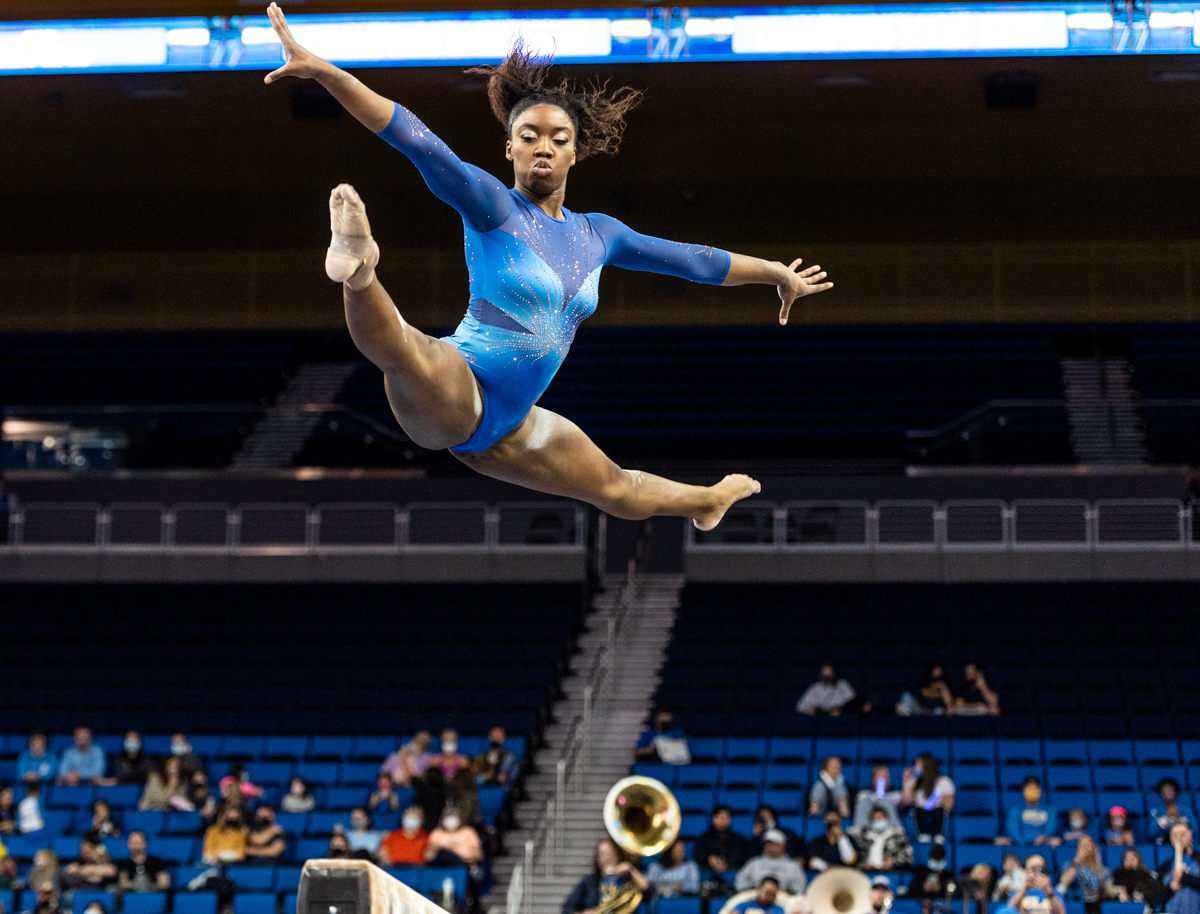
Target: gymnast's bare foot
column 353, row 253
column 732, row 488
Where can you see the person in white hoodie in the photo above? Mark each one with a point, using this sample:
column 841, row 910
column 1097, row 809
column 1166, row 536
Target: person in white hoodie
column 29, row 810
column 773, row 862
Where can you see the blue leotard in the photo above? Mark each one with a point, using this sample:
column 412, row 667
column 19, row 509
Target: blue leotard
column 534, row 278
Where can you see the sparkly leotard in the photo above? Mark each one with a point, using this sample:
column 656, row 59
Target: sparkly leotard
column 534, row 278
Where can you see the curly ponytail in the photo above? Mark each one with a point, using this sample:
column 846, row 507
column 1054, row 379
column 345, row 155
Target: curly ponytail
column 522, row 81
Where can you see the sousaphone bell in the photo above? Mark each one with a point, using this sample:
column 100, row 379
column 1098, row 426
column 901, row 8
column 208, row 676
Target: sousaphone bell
column 642, row 816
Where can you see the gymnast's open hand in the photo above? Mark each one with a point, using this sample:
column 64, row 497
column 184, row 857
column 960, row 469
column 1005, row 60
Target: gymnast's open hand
column 797, row 285
column 300, row 62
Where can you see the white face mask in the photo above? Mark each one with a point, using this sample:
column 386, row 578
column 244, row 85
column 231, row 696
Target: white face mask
column 449, row 748
column 412, row 823
column 451, row 823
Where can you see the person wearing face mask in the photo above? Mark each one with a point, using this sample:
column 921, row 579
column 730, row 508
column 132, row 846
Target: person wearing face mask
column 1077, row 825
column 834, row 848
column 299, row 798
column 1167, row 810
column 102, row 825
column 662, row 736
column 881, row 845
column 189, row 762
column 201, row 797
column 766, row 819
column 879, row 794
column 406, row 845
column 930, row 795
column 931, row 880
column 829, row 791
column 339, row 849
column 266, row 842
column 1118, row 832
column 453, row 843
column 828, row 695
column 362, row 835
column 1037, row 895
column 225, row 839
column 384, row 797
column 496, row 765
column 449, row 761
column 1033, row 822
column 131, row 766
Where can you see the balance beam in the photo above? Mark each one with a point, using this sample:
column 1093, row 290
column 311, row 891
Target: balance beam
column 356, row 887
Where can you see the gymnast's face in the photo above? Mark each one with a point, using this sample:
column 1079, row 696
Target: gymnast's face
column 542, row 149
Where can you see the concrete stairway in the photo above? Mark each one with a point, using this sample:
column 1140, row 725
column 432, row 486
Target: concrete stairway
column 282, row 433
column 623, row 668
column 1102, row 408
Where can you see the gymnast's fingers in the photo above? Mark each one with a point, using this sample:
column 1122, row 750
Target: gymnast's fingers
column 795, row 263
column 785, row 310
column 809, row 271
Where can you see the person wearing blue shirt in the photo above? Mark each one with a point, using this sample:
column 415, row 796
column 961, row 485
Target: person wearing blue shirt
column 37, row 763
column 82, row 762
column 647, row 744
column 1037, row 896
column 675, row 874
column 763, row 901
column 1166, row 811
column 1181, row 875
column 1032, row 823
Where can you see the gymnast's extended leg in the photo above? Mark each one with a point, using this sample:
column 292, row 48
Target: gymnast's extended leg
column 551, row 454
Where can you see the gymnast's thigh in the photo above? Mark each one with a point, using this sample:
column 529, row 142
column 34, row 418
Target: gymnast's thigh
column 435, row 396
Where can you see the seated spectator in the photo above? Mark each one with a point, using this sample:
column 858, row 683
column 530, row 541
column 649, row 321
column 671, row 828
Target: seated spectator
column 8, row 811
column 764, row 900
column 720, row 849
column 189, row 762
column 406, row 845
column 931, row 695
column 225, row 839
column 362, row 835
column 339, row 849
column 1036, row 896
column 141, row 872
column 881, row 845
column 202, row 798
column 1165, row 810
column 102, row 825
column 975, row 696
column 662, row 742
column 774, row 862
column 765, row 819
column 881, row 894
column 1012, row 878
column 979, row 886
column 430, row 793
column 610, row 873
column 496, row 766
column 93, row 870
column 1032, row 822
column 1087, row 879
column 299, row 798
column 9, row 878
column 45, row 873
column 675, row 875
column 829, row 790
column 83, row 762
column 1135, row 881
column 931, row 796
column 1181, row 874
column 29, row 810
column 132, row 766
column 878, row 794
column 409, row 761
column 1117, row 830
column 36, row 762
column 1077, row 825
column 464, row 798
column 828, row 695
column 239, row 777
column 384, row 797
column 931, row 880
column 165, row 788
column 265, row 842
column 96, row 906
column 47, row 901
column 453, row 843
column 834, row 848
column 449, row 761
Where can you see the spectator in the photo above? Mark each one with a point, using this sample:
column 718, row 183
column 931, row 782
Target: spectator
column 879, row 794
column 765, row 819
column 299, row 798
column 448, row 760
column 662, row 742
column 775, row 862
column 410, row 761
column 610, row 873
column 829, row 790
column 1135, row 881
column 1181, row 874
column 975, row 697
column 384, row 796
column 8, row 811
column 676, row 875
column 1032, row 823
column 189, row 762
column 201, row 797
column 834, row 848
column 1117, row 830
column 9, row 879
column 102, row 825
column 764, row 900
column 720, row 849
column 406, row 845
column 265, row 841
column 29, row 810
column 239, row 777
column 1036, row 896
column 362, row 835
column 1165, row 810
column 465, row 798
column 96, row 906
column 931, row 695
column 430, row 794
column 141, row 872
column 82, row 762
column 165, row 788
column 93, row 870
column 47, row 901
column 225, row 839
column 881, row 894
column 36, row 762
column 132, row 766
column 339, row 849
column 931, row 880
column 828, row 695
column 44, row 872
column 931, row 796
column 1011, row 880
column 453, row 843
column 979, row 885
column 881, row 845
column 1077, row 825
column 496, row 766
column 1087, row 876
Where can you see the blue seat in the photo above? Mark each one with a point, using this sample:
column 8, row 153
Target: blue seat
column 289, row 903
column 878, row 751
column 693, row 825
column 1068, row 776
column 974, row 774
column 1156, row 751
column 973, row 750
column 8, row 900
column 277, row 774
column 1019, row 751
column 664, row 773
column 1112, row 752
column 742, row 775
column 144, row 903
column 67, row 796
column 791, row 750
column 322, row 823
column 359, row 773
column 241, row 747
column 679, row 905
column 81, row 898
column 252, row 878
column 967, row 855
column 346, row 797
column 938, row 748
column 149, row 823
column 287, row 878
column 331, row 747
column 746, row 749
column 373, row 747
column 180, row 822
column 692, row 776
column 738, row 799
column 1066, row 752
column 975, row 801
column 695, row 800
column 205, row 745
column 1014, row 774
column 318, row 772
column 311, row 848
column 1122, row 907
column 293, row 823
column 793, row 776
column 119, row 796
column 845, row 749
column 975, row 829
column 1130, row 799
column 784, row 801
column 66, row 848
column 23, row 847
column 195, row 903
column 707, row 749
column 293, row 747
column 175, row 850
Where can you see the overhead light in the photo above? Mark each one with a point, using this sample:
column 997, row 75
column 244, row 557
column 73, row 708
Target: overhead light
column 188, row 38
column 1089, row 22
column 708, row 28
column 257, row 34
column 82, row 48
column 1163, row 20
column 626, row 29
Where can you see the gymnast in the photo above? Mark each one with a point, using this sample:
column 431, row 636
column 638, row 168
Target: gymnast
column 534, row 272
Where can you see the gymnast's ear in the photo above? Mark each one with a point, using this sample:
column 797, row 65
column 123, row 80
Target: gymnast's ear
column 508, row 149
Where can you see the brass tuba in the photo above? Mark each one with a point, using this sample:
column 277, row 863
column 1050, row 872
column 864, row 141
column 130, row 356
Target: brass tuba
column 840, row 890
column 642, row 816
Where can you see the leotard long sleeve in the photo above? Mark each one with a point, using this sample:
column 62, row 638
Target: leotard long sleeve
column 534, row 278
